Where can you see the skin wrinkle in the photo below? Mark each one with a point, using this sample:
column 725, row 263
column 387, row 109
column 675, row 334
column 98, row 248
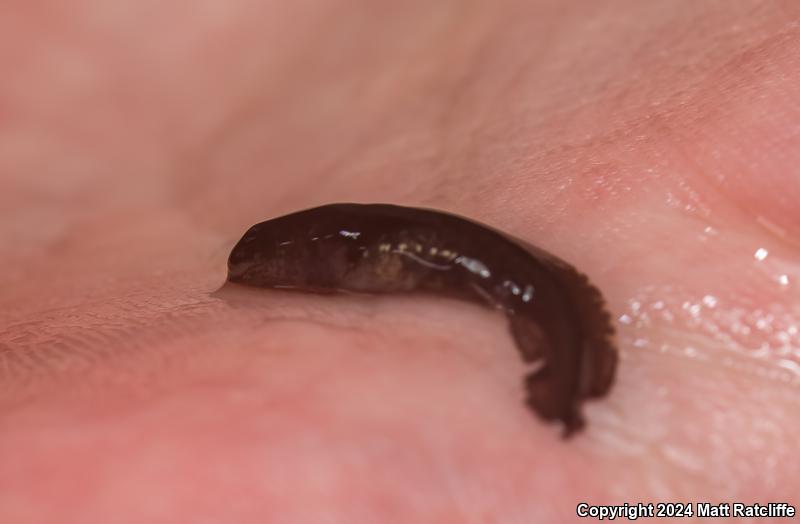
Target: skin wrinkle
column 51, row 352
column 327, row 173
column 630, row 127
column 453, row 91
column 665, row 114
column 343, row 154
column 750, row 67
column 471, row 151
column 461, row 144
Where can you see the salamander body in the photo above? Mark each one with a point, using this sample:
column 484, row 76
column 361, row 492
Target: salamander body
column 556, row 317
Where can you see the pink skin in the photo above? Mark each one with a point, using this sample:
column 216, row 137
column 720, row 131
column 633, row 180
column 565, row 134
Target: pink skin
column 654, row 145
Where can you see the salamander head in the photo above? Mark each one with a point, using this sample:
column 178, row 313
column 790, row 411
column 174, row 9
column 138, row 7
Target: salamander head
column 284, row 254
column 255, row 259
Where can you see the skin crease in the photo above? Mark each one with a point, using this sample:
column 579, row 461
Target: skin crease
column 652, row 145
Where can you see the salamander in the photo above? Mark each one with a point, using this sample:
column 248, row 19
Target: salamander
column 557, row 318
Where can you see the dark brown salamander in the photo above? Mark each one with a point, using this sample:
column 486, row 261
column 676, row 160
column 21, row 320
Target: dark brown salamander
column 557, row 318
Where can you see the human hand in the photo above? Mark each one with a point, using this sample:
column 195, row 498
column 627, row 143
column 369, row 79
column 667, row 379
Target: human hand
column 653, row 145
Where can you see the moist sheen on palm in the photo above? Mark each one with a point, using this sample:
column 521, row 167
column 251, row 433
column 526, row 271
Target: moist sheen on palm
column 556, row 317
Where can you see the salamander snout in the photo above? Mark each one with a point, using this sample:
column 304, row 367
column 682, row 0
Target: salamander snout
column 238, row 265
column 249, row 253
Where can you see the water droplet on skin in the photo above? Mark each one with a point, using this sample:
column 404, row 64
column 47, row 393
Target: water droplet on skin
column 769, row 334
column 710, row 300
column 760, row 254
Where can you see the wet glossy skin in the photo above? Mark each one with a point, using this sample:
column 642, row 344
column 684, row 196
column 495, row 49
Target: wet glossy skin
column 557, row 318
